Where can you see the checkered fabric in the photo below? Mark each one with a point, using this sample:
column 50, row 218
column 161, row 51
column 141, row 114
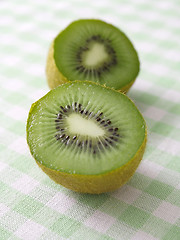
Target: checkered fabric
column 34, row 207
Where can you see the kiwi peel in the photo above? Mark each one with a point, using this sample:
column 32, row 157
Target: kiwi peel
column 54, row 76
column 96, row 184
column 92, row 50
column 74, row 158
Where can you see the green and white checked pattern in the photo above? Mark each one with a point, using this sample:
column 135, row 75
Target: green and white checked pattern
column 148, row 206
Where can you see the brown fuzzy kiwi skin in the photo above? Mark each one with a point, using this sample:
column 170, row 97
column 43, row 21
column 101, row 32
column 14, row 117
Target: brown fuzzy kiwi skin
column 56, row 78
column 100, row 183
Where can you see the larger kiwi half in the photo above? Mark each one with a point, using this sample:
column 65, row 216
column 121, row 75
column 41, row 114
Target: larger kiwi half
column 86, row 137
column 92, row 50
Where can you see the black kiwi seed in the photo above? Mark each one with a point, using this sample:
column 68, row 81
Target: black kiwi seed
column 62, row 136
column 99, row 73
column 113, row 138
column 101, row 114
column 74, row 137
column 98, row 119
column 105, row 68
column 110, row 129
column 80, row 144
column 116, row 134
column 59, row 116
column 90, row 70
column 112, row 50
column 109, row 50
column 114, row 61
column 57, row 120
column 67, row 137
column 94, row 37
column 105, row 144
column 90, row 114
column 109, row 141
column 116, row 129
column 75, row 106
column 108, row 121
column 57, row 127
column 100, row 145
column 83, row 49
column 80, row 66
column 57, row 136
column 95, row 149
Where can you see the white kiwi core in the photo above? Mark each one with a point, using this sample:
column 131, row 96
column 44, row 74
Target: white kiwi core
column 96, row 55
column 86, row 127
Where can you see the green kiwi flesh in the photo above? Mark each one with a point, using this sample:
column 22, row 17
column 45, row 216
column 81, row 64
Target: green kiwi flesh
column 84, row 128
column 94, row 50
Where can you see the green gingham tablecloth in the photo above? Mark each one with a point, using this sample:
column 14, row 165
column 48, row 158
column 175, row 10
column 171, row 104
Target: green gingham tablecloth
column 34, row 207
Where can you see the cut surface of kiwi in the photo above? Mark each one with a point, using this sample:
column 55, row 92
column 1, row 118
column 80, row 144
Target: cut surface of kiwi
column 86, row 137
column 93, row 50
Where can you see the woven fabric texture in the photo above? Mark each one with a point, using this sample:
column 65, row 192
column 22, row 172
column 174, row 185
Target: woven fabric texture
column 34, row 207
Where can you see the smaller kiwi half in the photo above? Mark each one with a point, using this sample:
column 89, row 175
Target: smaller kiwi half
column 93, row 50
column 87, row 137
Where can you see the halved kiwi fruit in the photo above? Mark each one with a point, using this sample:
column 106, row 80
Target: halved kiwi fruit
column 87, row 137
column 92, row 50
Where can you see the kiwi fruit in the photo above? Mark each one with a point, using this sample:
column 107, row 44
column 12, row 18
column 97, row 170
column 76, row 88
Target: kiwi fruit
column 86, row 137
column 92, row 50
